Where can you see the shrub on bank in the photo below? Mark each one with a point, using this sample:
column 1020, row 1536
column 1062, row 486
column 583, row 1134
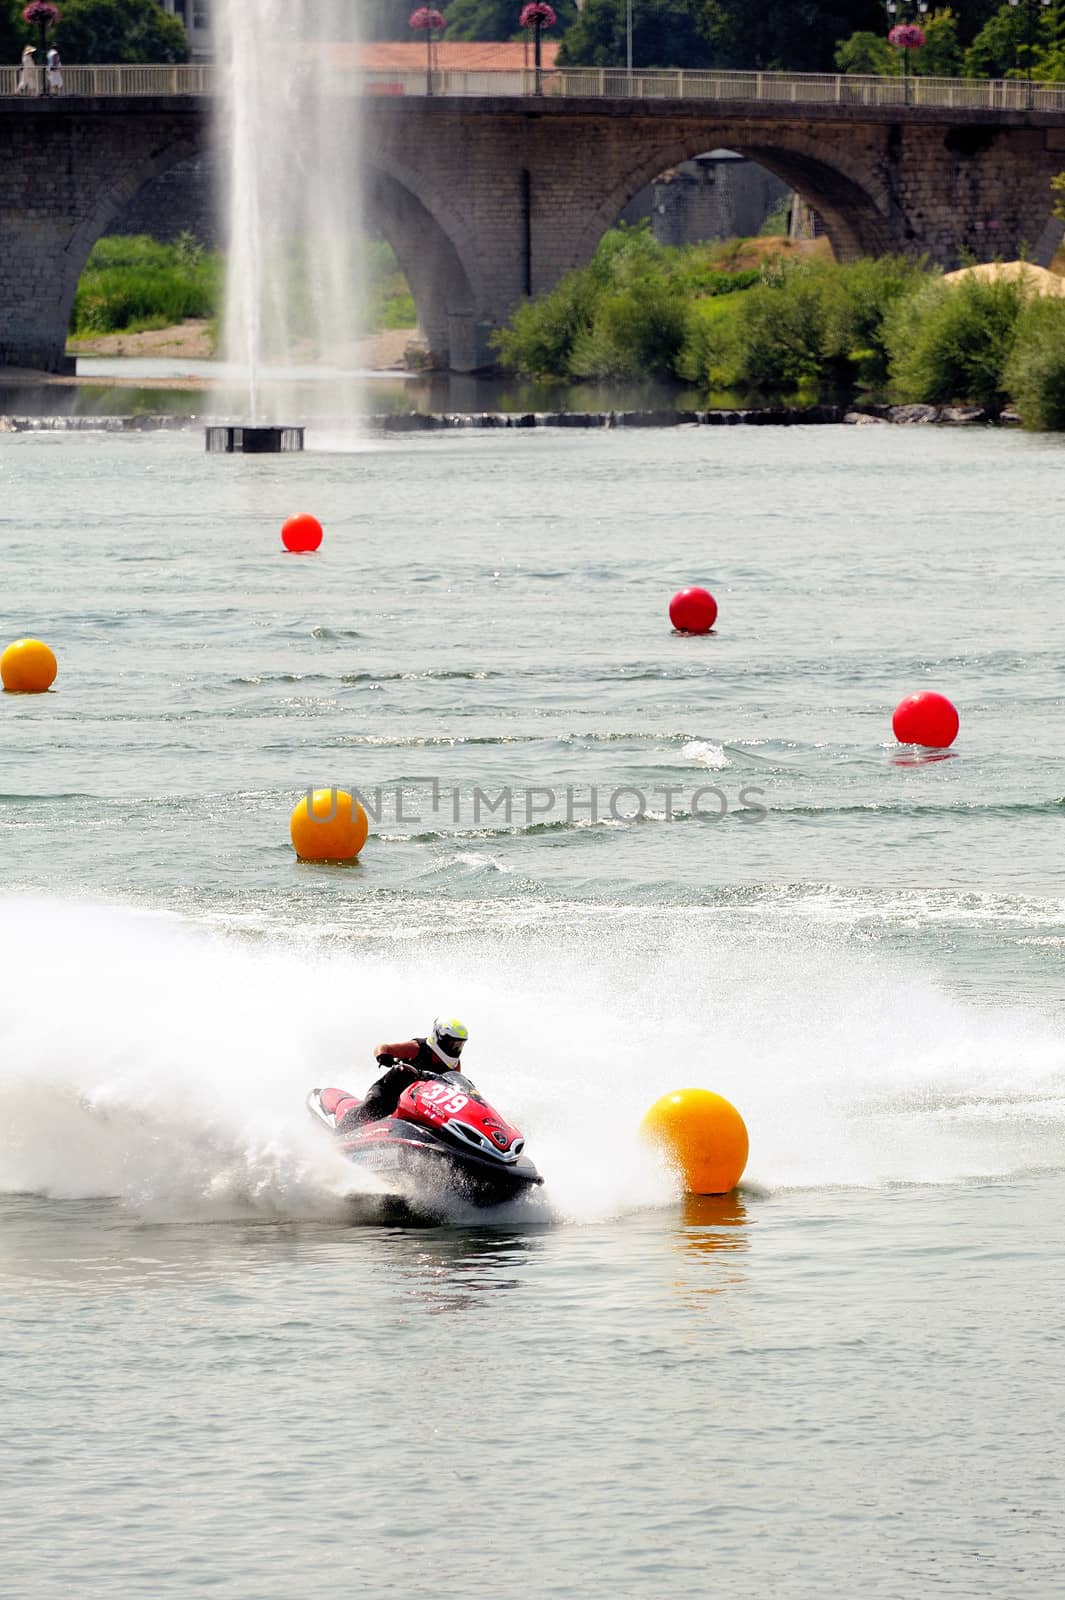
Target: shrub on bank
column 628, row 314
column 951, row 342
column 778, row 337
column 859, row 297
column 806, row 324
column 645, row 310
column 1035, row 370
column 636, row 330
column 797, row 330
column 542, row 334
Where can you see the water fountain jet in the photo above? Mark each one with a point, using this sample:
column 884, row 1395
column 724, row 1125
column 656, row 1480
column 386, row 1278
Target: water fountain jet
column 289, row 124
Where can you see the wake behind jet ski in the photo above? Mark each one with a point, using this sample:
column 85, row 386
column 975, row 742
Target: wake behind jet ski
column 424, row 1124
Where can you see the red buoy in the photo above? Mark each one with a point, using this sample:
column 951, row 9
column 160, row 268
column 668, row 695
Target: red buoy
column 925, row 718
column 693, row 611
column 301, row 534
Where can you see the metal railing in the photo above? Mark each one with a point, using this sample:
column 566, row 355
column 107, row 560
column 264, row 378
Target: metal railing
column 100, row 82
column 608, row 83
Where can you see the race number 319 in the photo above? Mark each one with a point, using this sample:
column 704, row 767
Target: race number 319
column 445, row 1099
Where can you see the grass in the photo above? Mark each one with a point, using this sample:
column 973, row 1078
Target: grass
column 135, row 283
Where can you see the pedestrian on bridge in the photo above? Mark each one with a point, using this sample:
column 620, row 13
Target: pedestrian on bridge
column 55, row 72
column 27, row 78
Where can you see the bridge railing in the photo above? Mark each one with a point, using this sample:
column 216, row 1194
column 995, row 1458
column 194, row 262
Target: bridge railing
column 788, row 88
column 606, row 83
column 119, row 80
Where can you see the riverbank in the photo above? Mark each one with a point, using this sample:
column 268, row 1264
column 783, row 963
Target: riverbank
column 799, row 332
column 392, row 350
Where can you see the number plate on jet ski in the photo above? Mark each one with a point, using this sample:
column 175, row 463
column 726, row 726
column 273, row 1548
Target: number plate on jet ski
column 441, row 1099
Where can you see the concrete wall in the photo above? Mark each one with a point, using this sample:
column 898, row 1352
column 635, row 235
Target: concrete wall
column 183, row 200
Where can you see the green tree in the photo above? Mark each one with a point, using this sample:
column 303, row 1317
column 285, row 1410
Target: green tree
column 974, row 17
column 941, row 56
column 377, row 19
column 133, row 31
column 795, row 35
column 665, row 33
column 13, row 31
column 1049, row 51
column 998, row 46
column 867, row 55
column 498, row 19
column 787, row 35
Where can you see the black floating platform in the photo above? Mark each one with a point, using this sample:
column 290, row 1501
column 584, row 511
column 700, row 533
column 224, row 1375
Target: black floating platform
column 228, row 440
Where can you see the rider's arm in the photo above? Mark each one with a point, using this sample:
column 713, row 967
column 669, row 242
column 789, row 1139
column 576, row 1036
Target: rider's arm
column 388, row 1053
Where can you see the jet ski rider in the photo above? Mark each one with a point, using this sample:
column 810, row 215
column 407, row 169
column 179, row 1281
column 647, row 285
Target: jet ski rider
column 406, row 1063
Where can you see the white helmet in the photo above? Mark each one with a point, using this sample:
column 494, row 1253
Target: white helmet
column 447, row 1039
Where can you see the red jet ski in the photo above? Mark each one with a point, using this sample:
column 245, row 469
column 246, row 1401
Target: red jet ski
column 443, row 1139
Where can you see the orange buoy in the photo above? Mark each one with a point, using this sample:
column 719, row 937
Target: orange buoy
column 328, row 825
column 28, row 667
column 704, row 1136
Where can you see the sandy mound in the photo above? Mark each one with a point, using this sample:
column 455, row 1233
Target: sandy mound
column 1037, row 279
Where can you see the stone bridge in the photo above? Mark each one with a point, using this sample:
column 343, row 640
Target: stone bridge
column 488, row 198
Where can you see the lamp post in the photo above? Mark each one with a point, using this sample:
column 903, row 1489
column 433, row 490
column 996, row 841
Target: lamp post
column 1031, row 7
column 537, row 15
column 425, row 20
column 905, row 36
column 628, row 36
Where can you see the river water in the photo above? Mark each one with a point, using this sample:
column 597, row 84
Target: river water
column 630, row 861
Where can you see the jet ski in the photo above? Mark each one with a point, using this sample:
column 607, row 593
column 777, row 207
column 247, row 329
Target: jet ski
column 443, row 1140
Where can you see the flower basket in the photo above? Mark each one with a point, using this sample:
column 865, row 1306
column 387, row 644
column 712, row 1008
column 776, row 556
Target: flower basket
column 537, row 14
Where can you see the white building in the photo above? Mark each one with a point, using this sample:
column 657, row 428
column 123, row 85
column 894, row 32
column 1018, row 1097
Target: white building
column 196, row 17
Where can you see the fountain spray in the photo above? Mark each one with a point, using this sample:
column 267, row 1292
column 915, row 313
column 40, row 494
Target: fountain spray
column 288, row 131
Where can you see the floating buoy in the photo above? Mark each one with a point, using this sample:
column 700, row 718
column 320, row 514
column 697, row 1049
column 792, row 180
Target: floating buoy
column 704, row 1136
column 301, row 534
column 328, row 825
column 926, row 718
column 28, row 667
column 693, row 611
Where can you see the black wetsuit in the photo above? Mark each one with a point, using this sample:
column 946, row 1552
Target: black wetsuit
column 406, row 1063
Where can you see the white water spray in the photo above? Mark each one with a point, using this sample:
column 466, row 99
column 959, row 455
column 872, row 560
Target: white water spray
column 173, row 1074
column 289, row 132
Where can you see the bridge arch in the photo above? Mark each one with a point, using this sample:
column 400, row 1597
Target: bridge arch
column 123, row 187
column 852, row 203
column 445, row 294
column 76, row 194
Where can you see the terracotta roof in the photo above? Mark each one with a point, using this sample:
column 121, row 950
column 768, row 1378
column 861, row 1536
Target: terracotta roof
column 449, row 55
